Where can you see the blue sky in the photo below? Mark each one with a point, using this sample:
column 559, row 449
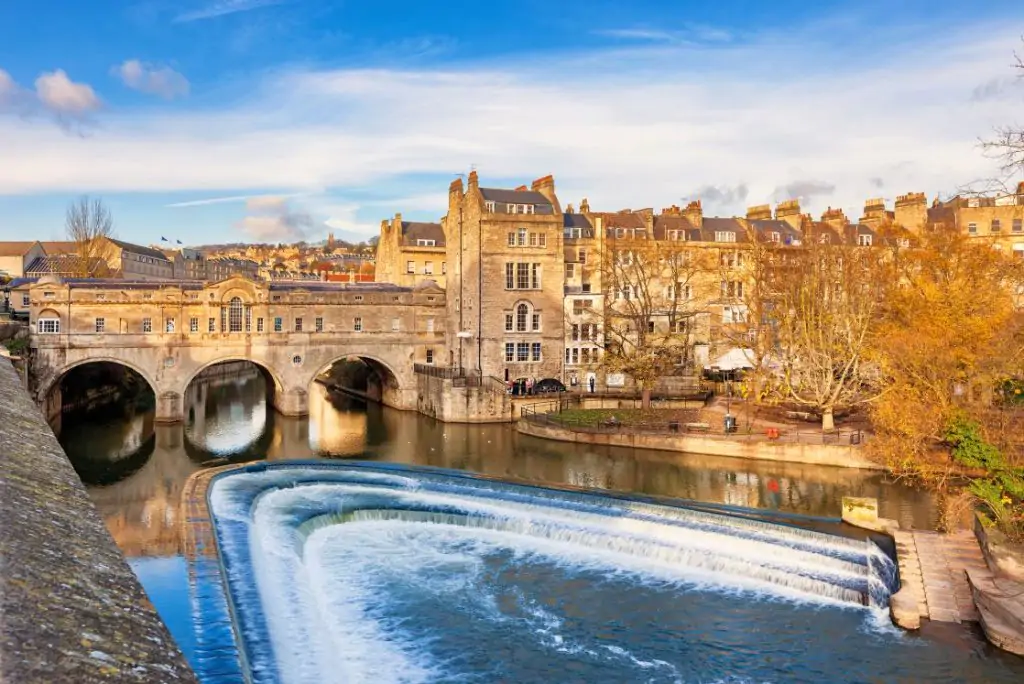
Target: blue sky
column 239, row 120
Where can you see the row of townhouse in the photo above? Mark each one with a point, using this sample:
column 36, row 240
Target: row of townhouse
column 535, row 291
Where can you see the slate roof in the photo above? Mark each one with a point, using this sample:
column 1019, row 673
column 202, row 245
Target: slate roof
column 413, row 231
column 666, row 222
column 787, row 233
column 62, row 264
column 623, row 219
column 514, row 196
column 139, row 249
column 59, row 247
column 15, row 248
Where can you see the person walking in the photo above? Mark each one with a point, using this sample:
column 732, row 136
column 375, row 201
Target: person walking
column 592, row 384
column 529, row 385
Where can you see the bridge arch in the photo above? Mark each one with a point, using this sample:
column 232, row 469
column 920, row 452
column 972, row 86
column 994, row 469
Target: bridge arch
column 390, row 389
column 272, row 373
column 53, row 379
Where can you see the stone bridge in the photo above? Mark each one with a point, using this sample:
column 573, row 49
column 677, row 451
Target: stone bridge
column 170, row 331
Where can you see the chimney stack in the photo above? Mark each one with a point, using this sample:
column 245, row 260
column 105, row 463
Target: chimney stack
column 546, row 187
column 584, row 206
column 835, row 218
column 474, row 180
column 761, row 212
column 569, row 209
column 789, row 211
column 674, row 210
column 912, row 211
column 694, row 214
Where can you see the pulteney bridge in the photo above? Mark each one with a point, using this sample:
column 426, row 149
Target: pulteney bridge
column 169, row 331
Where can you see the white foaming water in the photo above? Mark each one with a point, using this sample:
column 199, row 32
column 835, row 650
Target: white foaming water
column 319, row 553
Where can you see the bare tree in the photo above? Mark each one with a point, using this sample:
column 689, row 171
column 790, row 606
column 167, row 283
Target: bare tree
column 1007, row 146
column 826, row 308
column 87, row 223
column 653, row 307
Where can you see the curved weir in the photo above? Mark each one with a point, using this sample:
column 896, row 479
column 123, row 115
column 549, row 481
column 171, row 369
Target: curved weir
column 352, row 572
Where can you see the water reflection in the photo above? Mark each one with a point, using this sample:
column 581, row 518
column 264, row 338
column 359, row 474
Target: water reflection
column 137, row 469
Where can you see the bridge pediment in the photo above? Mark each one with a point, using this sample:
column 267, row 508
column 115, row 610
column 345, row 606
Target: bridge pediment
column 236, row 286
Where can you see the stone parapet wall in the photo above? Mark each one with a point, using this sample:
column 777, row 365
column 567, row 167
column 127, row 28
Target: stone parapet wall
column 71, row 610
column 815, row 454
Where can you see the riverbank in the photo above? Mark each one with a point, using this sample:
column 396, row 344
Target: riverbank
column 733, row 446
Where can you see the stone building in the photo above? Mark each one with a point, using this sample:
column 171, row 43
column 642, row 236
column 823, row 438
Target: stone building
column 15, row 257
column 505, row 280
column 409, row 252
column 135, row 262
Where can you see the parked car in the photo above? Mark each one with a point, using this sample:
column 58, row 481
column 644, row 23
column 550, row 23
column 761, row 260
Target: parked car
column 548, row 385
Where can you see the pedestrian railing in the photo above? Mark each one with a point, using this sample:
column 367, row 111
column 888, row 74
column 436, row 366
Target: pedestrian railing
column 549, row 413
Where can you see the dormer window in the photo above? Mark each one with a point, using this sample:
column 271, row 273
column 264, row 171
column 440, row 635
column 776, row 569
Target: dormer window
column 774, row 236
column 823, row 239
column 426, row 243
column 864, row 240
column 725, row 236
column 573, row 232
column 677, row 235
column 489, row 206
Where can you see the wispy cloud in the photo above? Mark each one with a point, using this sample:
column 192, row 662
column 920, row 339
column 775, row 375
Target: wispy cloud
column 220, row 8
column 55, row 95
column 622, row 127
column 152, row 79
column 231, row 199
column 689, row 33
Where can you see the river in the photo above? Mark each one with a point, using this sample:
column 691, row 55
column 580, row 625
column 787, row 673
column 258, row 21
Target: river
column 135, row 469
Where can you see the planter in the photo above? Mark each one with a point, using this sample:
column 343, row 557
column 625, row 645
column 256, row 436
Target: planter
column 1004, row 558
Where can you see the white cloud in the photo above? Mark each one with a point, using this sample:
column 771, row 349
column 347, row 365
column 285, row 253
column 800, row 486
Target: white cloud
column 154, row 80
column 62, row 96
column 8, row 89
column 220, row 8
column 270, row 219
column 640, row 127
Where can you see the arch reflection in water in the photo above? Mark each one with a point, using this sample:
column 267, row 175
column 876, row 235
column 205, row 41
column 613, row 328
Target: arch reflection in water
column 369, row 573
column 226, row 408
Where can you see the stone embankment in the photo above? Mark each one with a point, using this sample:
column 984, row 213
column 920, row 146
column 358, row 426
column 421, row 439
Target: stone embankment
column 734, row 446
column 959, row 577
column 71, row 610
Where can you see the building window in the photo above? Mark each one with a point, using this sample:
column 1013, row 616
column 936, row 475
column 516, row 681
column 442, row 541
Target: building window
column 235, row 315
column 774, row 236
column 522, row 351
column 430, row 325
column 193, row 324
column 536, row 322
column 24, row 300
column 581, row 305
column 444, row 267
column 725, row 236
column 533, row 239
column 211, row 325
column 489, row 206
column 101, row 323
column 48, row 326
column 972, row 228
column 147, row 325
column 259, row 324
column 428, row 268
column 318, row 323
column 410, row 266
column 395, row 325
column 570, row 270
column 48, row 295
column 582, row 256
column 521, row 238
column 522, row 311
column 508, row 323
column 536, row 351
column 298, row 324
column 430, row 356
column 425, row 243
column 248, row 319
column 169, row 325
column 732, row 289
column 510, row 352
column 864, row 240
column 278, row 324
column 510, row 279
column 357, row 324
column 997, row 225
column 512, row 239
column 522, row 276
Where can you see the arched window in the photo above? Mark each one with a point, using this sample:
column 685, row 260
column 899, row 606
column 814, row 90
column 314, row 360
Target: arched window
column 522, row 314
column 235, row 311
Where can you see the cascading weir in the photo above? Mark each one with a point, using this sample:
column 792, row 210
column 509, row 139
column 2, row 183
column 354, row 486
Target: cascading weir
column 357, row 572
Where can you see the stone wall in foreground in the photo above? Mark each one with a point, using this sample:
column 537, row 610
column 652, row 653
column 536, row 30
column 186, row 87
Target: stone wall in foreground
column 71, row 610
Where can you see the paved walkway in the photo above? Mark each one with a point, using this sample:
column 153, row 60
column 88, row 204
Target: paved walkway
column 933, row 566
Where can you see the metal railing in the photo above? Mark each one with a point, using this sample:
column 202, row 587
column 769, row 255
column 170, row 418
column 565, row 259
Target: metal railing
column 550, row 413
